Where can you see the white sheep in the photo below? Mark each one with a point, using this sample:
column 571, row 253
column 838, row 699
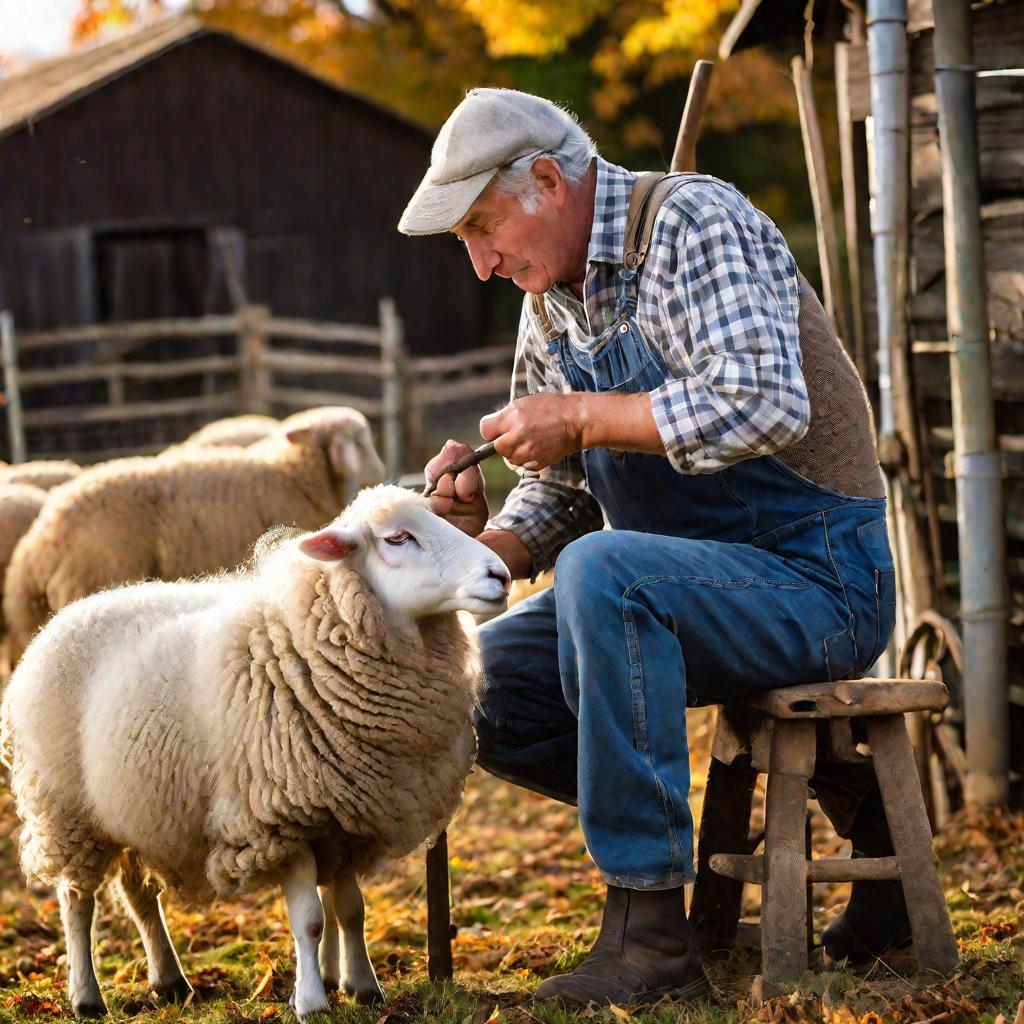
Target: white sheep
column 184, row 513
column 233, row 431
column 294, row 724
column 44, row 473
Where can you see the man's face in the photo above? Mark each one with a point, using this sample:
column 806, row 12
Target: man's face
column 530, row 248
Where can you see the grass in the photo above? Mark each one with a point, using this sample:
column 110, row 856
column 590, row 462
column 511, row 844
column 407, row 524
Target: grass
column 526, row 902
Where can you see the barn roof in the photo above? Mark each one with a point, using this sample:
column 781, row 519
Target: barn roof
column 46, row 86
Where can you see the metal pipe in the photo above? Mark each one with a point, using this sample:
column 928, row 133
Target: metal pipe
column 979, row 463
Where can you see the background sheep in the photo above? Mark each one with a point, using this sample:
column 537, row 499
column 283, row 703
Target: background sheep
column 19, row 506
column 234, row 432
column 184, row 513
column 295, row 724
column 44, row 473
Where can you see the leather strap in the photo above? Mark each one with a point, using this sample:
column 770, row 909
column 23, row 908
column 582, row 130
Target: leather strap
column 652, row 188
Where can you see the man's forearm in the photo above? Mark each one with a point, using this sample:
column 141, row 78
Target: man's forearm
column 511, row 550
column 625, row 422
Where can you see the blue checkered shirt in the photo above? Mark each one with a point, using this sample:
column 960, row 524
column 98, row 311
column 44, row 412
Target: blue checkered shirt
column 718, row 299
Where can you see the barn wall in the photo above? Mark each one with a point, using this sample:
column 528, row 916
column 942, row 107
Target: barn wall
column 213, row 135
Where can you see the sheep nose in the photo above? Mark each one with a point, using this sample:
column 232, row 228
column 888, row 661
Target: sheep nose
column 502, row 576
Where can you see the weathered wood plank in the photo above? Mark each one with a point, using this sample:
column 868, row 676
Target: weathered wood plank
column 850, row 698
column 224, row 402
column 783, row 909
column 301, row 398
column 129, row 371
column 934, row 943
column 282, row 361
column 312, row 330
column 136, row 330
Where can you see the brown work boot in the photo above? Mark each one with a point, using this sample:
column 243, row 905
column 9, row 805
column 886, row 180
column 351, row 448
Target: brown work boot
column 645, row 950
column 875, row 920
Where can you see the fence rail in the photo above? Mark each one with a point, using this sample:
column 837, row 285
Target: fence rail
column 129, row 376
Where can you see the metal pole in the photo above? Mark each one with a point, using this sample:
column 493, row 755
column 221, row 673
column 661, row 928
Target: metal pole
column 12, row 391
column 979, row 464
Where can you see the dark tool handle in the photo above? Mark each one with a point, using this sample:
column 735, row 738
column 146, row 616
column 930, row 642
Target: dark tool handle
column 439, row 927
column 485, row 451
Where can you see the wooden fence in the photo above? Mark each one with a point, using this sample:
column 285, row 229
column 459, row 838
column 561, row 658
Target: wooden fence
column 109, row 390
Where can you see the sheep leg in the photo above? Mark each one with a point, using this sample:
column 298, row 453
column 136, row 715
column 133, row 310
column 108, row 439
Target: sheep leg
column 330, row 944
column 76, row 912
column 359, row 979
column 142, row 898
column 306, row 917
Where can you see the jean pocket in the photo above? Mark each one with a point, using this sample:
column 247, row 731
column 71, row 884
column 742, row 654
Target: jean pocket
column 840, row 655
column 885, row 611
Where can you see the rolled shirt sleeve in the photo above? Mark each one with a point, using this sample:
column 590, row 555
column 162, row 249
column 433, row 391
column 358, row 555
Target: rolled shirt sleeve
column 728, row 291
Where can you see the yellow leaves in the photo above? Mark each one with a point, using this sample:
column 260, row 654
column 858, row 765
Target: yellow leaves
column 266, row 980
column 530, row 28
column 682, row 25
column 622, row 1014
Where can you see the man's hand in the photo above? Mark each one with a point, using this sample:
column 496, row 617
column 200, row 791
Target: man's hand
column 462, row 501
column 537, row 431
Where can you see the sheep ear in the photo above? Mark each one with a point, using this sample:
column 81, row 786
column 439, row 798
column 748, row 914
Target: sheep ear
column 330, row 545
column 299, row 435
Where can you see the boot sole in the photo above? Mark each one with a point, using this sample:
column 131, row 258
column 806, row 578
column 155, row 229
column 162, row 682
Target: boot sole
column 676, row 993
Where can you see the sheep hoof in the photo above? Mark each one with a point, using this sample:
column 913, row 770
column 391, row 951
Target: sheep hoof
column 365, row 996
column 331, row 984
column 310, row 1014
column 176, row 991
column 89, row 1008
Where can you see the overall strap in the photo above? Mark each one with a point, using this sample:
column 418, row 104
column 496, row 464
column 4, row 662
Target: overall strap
column 651, row 189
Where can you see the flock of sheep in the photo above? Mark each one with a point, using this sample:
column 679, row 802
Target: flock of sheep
column 288, row 707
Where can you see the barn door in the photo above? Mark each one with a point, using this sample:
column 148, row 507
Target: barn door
column 54, row 284
column 149, row 275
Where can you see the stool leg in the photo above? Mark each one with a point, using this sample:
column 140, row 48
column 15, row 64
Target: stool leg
column 724, row 828
column 439, row 933
column 784, row 909
column 896, row 768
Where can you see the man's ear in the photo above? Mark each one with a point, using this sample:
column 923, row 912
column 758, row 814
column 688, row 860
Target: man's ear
column 547, row 173
column 331, row 544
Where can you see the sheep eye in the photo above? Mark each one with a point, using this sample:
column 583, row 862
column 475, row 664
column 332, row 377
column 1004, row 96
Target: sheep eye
column 398, row 538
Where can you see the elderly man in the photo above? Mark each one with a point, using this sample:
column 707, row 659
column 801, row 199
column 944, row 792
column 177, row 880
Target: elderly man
column 677, row 382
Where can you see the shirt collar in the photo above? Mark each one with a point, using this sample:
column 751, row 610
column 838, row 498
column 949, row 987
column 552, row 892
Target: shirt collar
column 611, row 205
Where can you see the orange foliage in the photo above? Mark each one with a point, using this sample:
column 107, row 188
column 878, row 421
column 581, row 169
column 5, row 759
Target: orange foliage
column 419, row 56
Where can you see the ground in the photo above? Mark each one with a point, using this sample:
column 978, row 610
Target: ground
column 526, row 902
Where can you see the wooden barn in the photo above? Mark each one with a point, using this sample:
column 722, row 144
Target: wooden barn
column 180, row 171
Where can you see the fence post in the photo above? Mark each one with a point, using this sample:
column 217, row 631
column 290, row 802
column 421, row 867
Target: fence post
column 254, row 378
column 12, row 391
column 392, row 357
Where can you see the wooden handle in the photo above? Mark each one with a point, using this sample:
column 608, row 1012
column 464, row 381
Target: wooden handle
column 485, row 451
column 685, row 156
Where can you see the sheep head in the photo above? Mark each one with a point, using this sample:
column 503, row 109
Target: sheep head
column 346, row 437
column 417, row 563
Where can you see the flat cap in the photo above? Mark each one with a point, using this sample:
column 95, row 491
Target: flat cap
column 487, row 130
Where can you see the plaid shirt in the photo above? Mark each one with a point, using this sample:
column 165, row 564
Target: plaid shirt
column 718, row 299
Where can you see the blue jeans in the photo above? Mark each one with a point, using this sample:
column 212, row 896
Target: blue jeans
column 586, row 685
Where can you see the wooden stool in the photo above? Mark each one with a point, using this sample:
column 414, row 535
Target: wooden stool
column 778, row 729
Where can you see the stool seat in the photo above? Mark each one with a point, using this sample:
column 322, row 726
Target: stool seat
column 850, row 698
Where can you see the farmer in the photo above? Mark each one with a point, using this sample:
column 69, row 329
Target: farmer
column 660, row 394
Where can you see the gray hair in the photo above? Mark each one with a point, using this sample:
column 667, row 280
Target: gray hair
column 573, row 157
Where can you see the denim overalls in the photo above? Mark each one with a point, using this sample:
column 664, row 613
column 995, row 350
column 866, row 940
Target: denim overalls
column 706, row 588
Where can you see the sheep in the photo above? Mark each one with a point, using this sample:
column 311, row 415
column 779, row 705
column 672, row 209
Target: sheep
column 234, row 431
column 44, row 473
column 183, row 513
column 19, row 506
column 292, row 724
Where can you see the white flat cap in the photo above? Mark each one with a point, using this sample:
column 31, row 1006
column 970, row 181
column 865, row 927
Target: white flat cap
column 487, row 130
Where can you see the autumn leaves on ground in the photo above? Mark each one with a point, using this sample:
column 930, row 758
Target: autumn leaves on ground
column 526, row 903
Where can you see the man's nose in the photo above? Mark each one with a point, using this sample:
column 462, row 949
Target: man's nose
column 483, row 258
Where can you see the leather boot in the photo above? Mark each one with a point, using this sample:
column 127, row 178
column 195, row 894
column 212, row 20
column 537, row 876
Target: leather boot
column 875, row 919
column 645, row 950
